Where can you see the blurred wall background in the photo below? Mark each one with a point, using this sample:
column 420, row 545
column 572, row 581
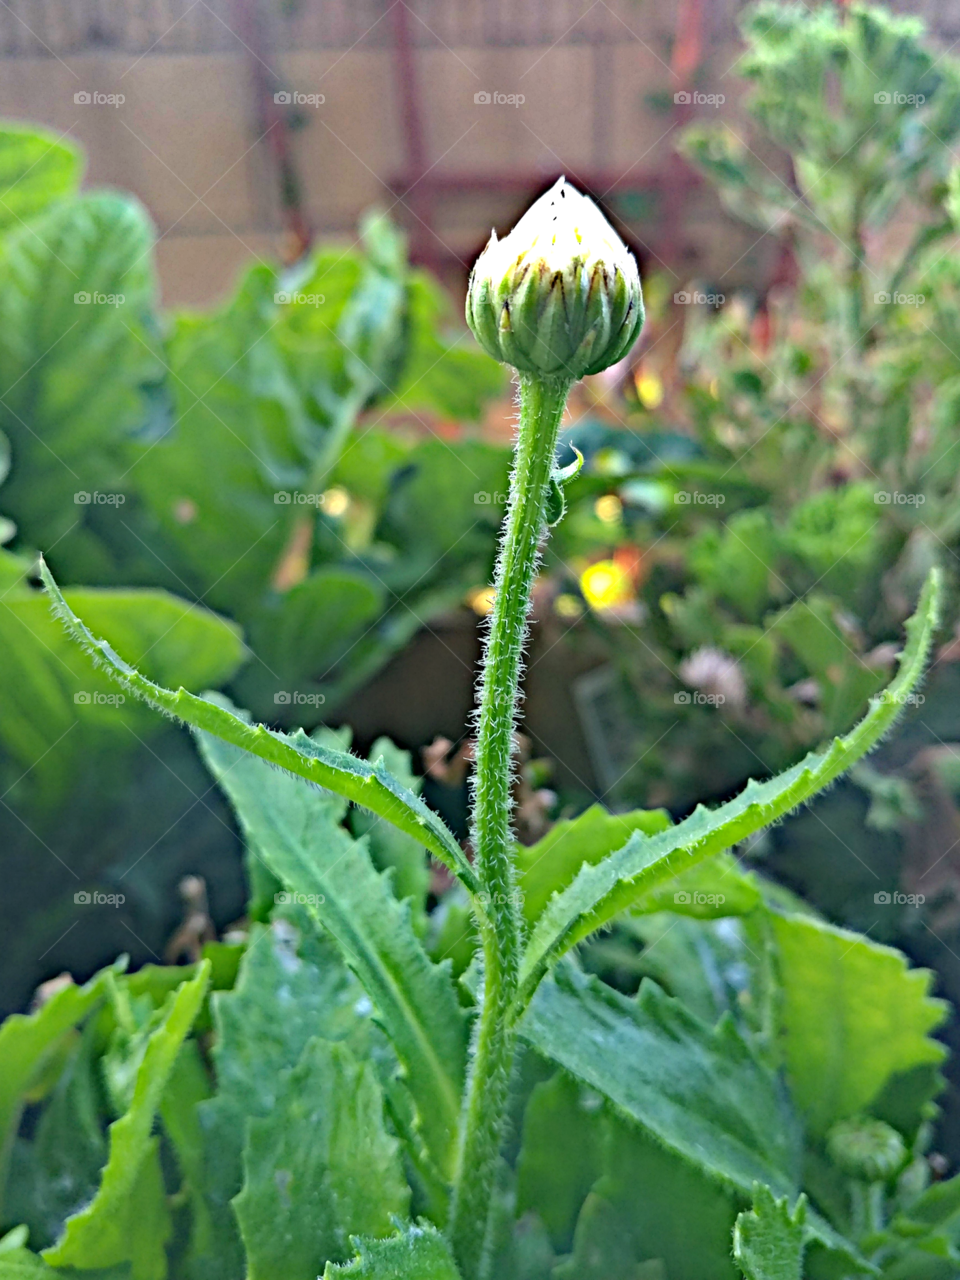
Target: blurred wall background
column 246, row 126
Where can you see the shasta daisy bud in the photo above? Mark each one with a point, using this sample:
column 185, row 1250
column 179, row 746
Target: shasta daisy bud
column 560, row 295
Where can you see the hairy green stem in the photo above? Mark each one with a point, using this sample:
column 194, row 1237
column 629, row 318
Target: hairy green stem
column 541, row 406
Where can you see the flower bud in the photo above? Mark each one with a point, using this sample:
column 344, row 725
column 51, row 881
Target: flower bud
column 560, row 295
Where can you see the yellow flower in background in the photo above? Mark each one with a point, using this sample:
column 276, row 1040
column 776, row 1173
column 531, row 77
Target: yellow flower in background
column 649, row 389
column 606, row 585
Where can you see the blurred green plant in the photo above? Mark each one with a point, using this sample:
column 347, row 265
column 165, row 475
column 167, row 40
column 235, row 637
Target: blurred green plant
column 238, row 457
column 290, row 1103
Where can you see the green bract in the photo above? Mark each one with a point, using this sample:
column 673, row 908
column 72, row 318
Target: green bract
column 560, row 295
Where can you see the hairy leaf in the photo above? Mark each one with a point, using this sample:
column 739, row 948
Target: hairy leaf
column 304, row 1196
column 416, row 1253
column 699, row 1090
column 600, row 892
column 283, row 996
column 768, row 1241
column 297, row 831
column 128, row 1218
column 369, row 785
column 853, row 1016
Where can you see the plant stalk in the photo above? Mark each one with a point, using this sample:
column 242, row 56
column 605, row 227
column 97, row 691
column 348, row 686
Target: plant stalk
column 541, row 406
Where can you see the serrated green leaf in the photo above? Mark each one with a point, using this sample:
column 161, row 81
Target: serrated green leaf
column 699, row 1090
column 128, row 1220
column 415, row 1253
column 27, row 1042
column 297, row 831
column 853, row 1015
column 288, row 989
column 599, row 892
column 768, row 1241
column 368, row 785
column 302, row 1200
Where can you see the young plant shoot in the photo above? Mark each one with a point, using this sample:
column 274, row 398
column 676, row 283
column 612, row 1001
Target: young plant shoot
column 557, row 299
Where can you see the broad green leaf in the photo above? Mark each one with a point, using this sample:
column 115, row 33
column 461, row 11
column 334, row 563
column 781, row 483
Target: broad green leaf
column 52, row 699
column 128, row 1219
column 368, row 785
column 560, row 1158
column 853, row 1015
column 36, row 168
column 549, row 865
column 302, row 1200
column 599, row 893
column 707, row 891
column 77, row 350
column 649, row 1207
column 698, row 1090
column 768, row 1241
column 28, row 1041
column 415, row 1253
column 297, row 832
column 288, row 989
column 314, row 624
